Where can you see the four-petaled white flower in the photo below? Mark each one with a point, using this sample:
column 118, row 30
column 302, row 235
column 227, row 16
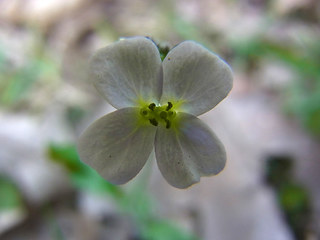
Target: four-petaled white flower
column 157, row 106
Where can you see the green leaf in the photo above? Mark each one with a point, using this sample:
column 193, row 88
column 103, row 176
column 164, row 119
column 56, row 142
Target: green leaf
column 82, row 176
column 159, row 230
column 10, row 194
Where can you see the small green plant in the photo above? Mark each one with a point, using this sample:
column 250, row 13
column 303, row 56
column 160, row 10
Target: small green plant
column 10, row 194
column 293, row 198
column 302, row 98
column 135, row 202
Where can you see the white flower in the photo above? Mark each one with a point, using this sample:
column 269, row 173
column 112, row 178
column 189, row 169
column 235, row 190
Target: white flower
column 157, row 106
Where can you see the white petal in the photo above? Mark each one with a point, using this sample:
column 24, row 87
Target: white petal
column 127, row 71
column 188, row 152
column 116, row 146
column 196, row 77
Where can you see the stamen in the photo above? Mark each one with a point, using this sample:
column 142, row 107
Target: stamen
column 153, row 121
column 152, row 106
column 169, row 106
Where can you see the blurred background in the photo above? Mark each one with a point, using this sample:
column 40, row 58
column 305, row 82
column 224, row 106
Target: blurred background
column 269, row 123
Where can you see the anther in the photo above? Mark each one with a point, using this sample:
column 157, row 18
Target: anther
column 153, row 121
column 152, row 106
column 169, row 106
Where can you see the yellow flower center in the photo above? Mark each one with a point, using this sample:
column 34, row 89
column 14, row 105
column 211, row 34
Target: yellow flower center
column 158, row 114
